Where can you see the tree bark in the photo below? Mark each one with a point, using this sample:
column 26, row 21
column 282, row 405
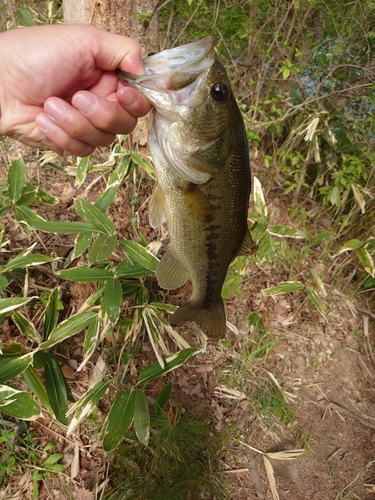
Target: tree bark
column 135, row 18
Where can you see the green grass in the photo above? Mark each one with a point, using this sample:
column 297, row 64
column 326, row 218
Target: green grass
column 181, row 461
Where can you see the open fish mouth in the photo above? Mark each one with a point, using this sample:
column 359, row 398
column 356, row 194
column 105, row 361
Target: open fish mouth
column 171, row 73
column 192, row 59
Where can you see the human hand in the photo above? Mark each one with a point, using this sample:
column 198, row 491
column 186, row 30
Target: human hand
column 59, row 89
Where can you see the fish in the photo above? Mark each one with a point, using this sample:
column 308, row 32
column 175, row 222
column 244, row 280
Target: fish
column 200, row 153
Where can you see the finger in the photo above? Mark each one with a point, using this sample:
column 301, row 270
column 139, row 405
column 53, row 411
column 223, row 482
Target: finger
column 76, row 125
column 133, row 101
column 60, row 140
column 107, row 114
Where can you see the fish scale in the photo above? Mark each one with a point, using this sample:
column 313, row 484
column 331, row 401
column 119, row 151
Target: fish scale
column 200, row 154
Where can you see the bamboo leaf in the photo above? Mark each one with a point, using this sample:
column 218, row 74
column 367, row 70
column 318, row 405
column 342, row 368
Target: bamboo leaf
column 35, row 385
column 24, row 17
column 81, row 244
column 366, row 260
column 16, row 179
column 141, row 162
column 153, row 334
column 170, row 363
column 119, row 419
column 85, row 274
column 164, row 307
column 69, row 327
column 350, row 246
column 22, row 261
column 61, row 227
column 95, row 217
column 28, row 196
column 44, row 197
column 162, row 398
column 10, row 369
column 51, row 313
column 18, row 404
column 26, row 327
column 259, row 199
column 13, row 350
column 323, row 236
column 107, row 196
column 84, row 406
column 286, row 232
column 112, row 299
column 56, row 389
column 91, row 338
column 52, row 459
column 25, row 214
column 259, row 229
column 128, row 270
column 7, row 305
column 124, row 167
column 102, row 247
column 81, row 170
column 91, row 301
column 141, row 417
column 140, row 254
column 317, row 301
column 285, row 287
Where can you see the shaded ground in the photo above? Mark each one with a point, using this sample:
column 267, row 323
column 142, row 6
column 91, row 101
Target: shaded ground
column 325, row 370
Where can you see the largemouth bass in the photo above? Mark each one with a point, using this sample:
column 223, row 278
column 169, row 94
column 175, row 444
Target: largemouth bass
column 200, row 152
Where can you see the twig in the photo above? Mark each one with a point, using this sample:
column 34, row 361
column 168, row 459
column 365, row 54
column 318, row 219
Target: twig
column 188, row 22
column 365, row 311
column 348, row 413
column 236, row 471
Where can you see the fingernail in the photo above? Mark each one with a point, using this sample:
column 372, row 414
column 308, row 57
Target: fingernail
column 127, row 97
column 55, row 109
column 43, row 122
column 83, row 102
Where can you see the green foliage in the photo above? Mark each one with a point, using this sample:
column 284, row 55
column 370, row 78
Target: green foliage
column 114, row 280
column 20, row 452
column 180, row 460
column 269, row 401
column 19, row 13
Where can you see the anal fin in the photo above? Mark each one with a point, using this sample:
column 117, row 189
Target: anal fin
column 170, row 272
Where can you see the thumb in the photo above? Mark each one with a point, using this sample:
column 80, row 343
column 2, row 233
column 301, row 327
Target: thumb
column 117, row 51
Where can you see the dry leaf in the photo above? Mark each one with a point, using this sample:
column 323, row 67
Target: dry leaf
column 74, row 469
column 69, row 373
column 271, row 478
column 286, row 455
column 98, row 372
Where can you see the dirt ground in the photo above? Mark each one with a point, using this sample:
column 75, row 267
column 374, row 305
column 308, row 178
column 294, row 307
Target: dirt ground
column 324, row 368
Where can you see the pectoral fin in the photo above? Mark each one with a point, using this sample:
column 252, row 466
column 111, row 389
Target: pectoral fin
column 158, row 207
column 196, row 203
column 170, row 272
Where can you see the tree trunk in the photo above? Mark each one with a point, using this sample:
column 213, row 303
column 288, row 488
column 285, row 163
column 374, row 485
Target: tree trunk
column 135, row 18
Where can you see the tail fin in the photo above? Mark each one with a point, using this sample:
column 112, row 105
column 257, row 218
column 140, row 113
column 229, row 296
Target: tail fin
column 211, row 319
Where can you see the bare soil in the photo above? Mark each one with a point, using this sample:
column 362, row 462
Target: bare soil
column 325, row 369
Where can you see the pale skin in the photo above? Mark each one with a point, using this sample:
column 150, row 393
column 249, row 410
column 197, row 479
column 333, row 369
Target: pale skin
column 59, row 90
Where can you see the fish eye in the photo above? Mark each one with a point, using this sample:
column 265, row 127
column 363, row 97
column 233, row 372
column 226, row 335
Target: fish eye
column 220, row 91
